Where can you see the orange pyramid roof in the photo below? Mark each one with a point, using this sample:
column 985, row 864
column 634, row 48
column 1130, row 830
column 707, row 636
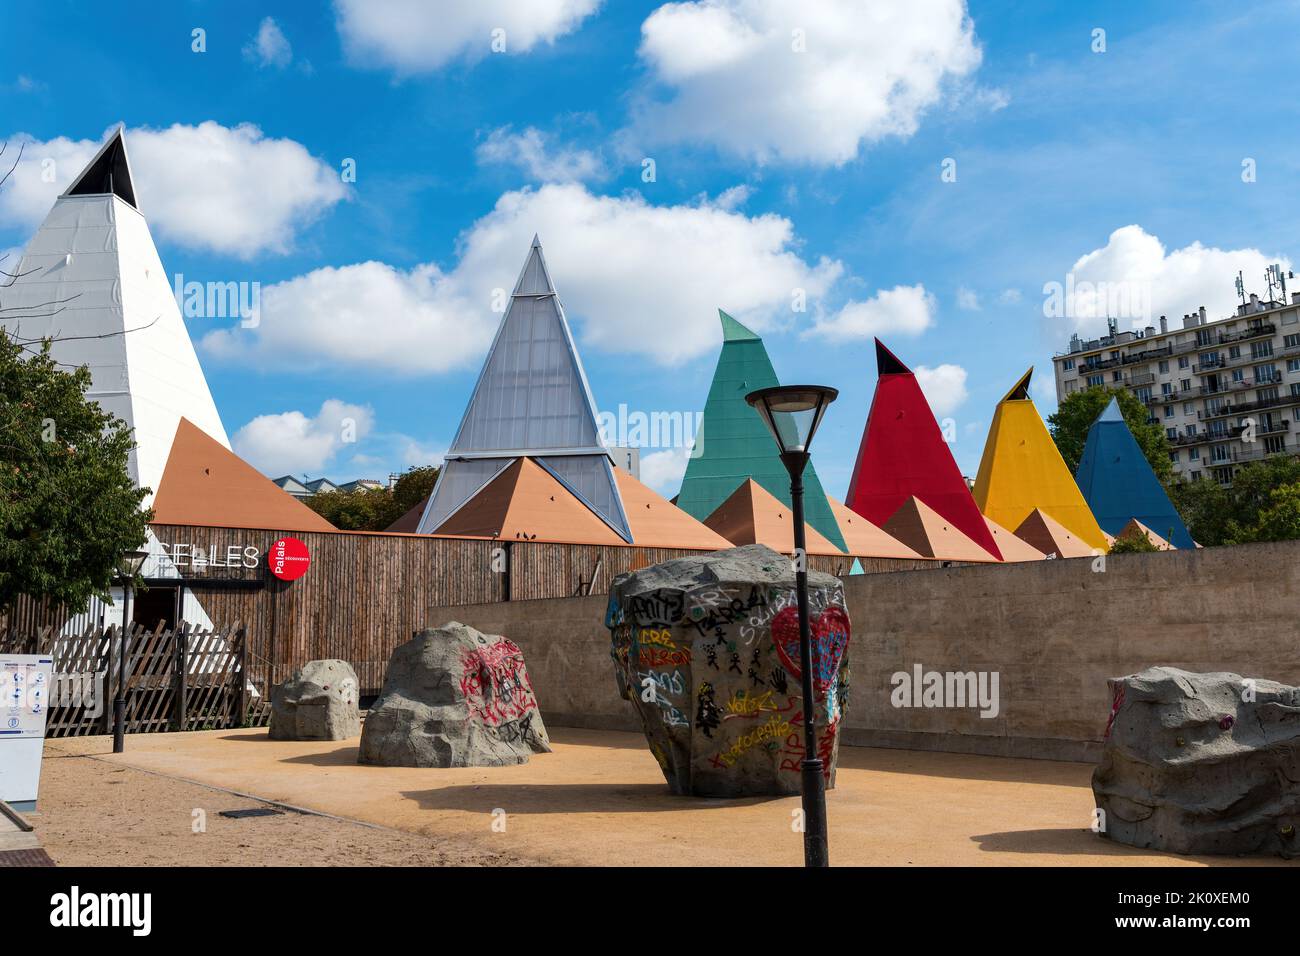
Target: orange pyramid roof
column 409, row 522
column 864, row 539
column 753, row 515
column 657, row 523
column 922, row 528
column 526, row 502
column 1051, row 537
column 1013, row 548
column 1137, row 527
column 926, row 531
column 205, row 483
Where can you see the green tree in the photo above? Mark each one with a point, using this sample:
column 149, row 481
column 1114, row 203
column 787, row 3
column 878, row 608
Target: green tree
column 374, row 509
column 1070, row 422
column 1278, row 520
column 1204, row 507
column 411, row 487
column 1133, row 543
column 68, row 506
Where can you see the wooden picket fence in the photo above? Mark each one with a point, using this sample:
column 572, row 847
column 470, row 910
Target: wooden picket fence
column 186, row 679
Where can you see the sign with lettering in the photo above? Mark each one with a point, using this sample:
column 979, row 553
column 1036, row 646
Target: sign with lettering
column 288, row 559
column 25, row 681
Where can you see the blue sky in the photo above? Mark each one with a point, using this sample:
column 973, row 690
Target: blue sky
column 1160, row 161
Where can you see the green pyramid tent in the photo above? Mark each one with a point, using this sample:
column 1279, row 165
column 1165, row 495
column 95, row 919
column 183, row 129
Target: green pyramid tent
column 734, row 444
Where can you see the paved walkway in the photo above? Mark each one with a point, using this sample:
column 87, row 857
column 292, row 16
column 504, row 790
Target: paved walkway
column 600, row 798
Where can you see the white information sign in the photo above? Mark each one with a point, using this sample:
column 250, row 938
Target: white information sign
column 25, row 691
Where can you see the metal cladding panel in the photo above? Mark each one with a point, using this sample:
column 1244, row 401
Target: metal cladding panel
column 530, row 394
column 458, row 481
column 1117, row 481
column 733, row 444
column 531, row 400
column 96, row 278
column 591, row 478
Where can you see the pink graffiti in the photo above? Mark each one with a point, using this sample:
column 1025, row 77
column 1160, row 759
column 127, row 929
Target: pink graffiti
column 495, row 684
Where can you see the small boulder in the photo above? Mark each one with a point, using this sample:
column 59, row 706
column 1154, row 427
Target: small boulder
column 454, row 697
column 317, row 702
column 1201, row 763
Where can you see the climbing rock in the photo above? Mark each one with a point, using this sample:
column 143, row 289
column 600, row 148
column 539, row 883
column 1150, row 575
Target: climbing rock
column 706, row 649
column 1201, row 763
column 454, row 697
column 317, row 702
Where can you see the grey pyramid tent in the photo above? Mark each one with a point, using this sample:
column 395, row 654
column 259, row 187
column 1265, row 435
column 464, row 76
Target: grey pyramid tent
column 532, row 400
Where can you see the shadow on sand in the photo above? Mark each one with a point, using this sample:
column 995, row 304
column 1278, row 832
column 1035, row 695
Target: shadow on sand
column 569, row 798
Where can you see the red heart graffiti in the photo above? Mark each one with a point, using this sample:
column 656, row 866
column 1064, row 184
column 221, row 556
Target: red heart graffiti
column 830, row 638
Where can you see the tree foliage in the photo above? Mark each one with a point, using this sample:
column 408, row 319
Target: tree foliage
column 1255, row 508
column 1070, row 422
column 68, row 506
column 374, row 509
column 1133, row 543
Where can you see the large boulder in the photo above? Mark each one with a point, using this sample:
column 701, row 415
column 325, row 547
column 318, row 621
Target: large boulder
column 1201, row 763
column 454, row 697
column 707, row 650
column 317, row 702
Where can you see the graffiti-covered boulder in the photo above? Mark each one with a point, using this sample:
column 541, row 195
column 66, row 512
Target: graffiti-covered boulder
column 317, row 702
column 706, row 649
column 454, row 697
column 1201, row 763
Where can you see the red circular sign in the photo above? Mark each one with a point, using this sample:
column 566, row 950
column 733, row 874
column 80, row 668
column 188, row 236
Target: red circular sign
column 288, row 559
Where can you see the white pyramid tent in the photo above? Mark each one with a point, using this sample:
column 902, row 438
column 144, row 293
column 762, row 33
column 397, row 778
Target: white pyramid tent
column 91, row 277
column 532, row 400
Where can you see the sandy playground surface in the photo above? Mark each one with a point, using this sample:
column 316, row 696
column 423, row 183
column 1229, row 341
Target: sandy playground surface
column 598, row 799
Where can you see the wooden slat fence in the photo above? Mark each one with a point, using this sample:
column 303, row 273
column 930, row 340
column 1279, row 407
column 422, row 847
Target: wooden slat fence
column 187, row 679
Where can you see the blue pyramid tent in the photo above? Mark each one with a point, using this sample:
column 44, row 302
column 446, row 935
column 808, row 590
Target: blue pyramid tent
column 1118, row 483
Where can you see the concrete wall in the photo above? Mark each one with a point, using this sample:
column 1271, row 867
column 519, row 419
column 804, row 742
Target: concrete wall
column 1054, row 631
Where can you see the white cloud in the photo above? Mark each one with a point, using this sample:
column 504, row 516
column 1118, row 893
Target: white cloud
column 1134, row 279
column 733, row 198
column 269, row 47
column 633, row 277
column 944, row 387
column 663, row 470
column 291, row 443
column 230, row 190
column 1009, row 297
column 968, row 299
column 539, row 157
column 328, row 316
column 800, row 82
column 416, row 36
column 902, row 310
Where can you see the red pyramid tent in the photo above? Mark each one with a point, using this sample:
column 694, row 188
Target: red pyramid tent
column 903, row 455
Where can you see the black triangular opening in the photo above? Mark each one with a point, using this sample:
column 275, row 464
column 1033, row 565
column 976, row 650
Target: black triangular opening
column 107, row 174
column 1021, row 392
column 887, row 363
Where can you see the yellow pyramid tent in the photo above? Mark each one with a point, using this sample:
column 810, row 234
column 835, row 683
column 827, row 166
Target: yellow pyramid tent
column 1022, row 471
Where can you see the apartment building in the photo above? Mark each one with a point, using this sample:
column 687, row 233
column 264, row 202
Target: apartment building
column 1227, row 391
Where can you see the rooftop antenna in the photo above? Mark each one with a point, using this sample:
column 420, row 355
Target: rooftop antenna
column 1273, row 277
column 1241, row 288
column 1112, row 325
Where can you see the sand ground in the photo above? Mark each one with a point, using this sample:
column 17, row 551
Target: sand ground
column 598, row 799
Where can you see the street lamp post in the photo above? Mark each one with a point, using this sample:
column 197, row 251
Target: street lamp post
column 128, row 568
column 792, row 414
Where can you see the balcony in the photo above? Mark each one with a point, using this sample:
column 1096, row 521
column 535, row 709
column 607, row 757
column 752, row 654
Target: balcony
column 1253, row 332
column 1273, row 428
column 1241, row 408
